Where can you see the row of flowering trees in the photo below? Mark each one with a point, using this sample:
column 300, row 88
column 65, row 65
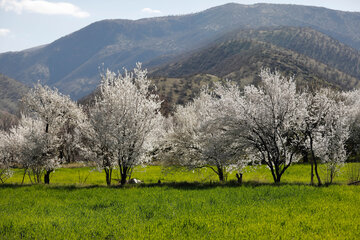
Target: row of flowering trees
column 118, row 130
column 224, row 128
column 273, row 124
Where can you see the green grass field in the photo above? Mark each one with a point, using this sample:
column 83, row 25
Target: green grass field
column 67, row 209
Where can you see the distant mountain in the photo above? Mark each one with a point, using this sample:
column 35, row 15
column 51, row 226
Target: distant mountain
column 300, row 51
column 11, row 91
column 308, row 42
column 72, row 63
column 313, row 59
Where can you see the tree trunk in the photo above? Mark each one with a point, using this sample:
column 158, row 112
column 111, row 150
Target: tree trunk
column 38, row 177
column 220, row 173
column 278, row 178
column 108, row 173
column 47, row 173
column 29, row 175
column 239, row 178
column 272, row 172
column 332, row 175
column 314, row 161
column 23, row 179
column 47, row 176
column 123, row 179
column 123, row 174
column 317, row 173
column 277, row 172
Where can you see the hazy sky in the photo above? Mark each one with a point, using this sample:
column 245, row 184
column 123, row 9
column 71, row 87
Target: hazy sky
column 29, row 23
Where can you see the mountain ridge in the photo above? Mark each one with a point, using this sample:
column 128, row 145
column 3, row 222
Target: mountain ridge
column 72, row 62
column 303, row 40
column 232, row 55
column 241, row 59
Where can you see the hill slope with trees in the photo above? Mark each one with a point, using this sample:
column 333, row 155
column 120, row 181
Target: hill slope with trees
column 10, row 93
column 241, row 60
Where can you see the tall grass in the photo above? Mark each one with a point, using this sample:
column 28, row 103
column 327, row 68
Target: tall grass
column 186, row 205
column 177, row 211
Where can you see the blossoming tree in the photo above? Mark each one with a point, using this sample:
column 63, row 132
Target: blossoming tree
column 126, row 122
column 59, row 117
column 199, row 138
column 268, row 122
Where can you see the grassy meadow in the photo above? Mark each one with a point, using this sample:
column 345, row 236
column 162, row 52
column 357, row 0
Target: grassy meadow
column 186, row 205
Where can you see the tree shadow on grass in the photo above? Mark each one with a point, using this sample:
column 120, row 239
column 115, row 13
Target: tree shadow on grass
column 210, row 185
column 174, row 185
column 51, row 186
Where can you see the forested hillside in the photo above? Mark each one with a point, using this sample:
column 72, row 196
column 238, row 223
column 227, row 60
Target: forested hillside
column 308, row 42
column 10, row 92
column 241, row 60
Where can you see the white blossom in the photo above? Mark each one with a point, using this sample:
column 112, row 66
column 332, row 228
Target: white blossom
column 55, row 121
column 327, row 129
column 7, row 156
column 268, row 120
column 199, row 137
column 126, row 121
